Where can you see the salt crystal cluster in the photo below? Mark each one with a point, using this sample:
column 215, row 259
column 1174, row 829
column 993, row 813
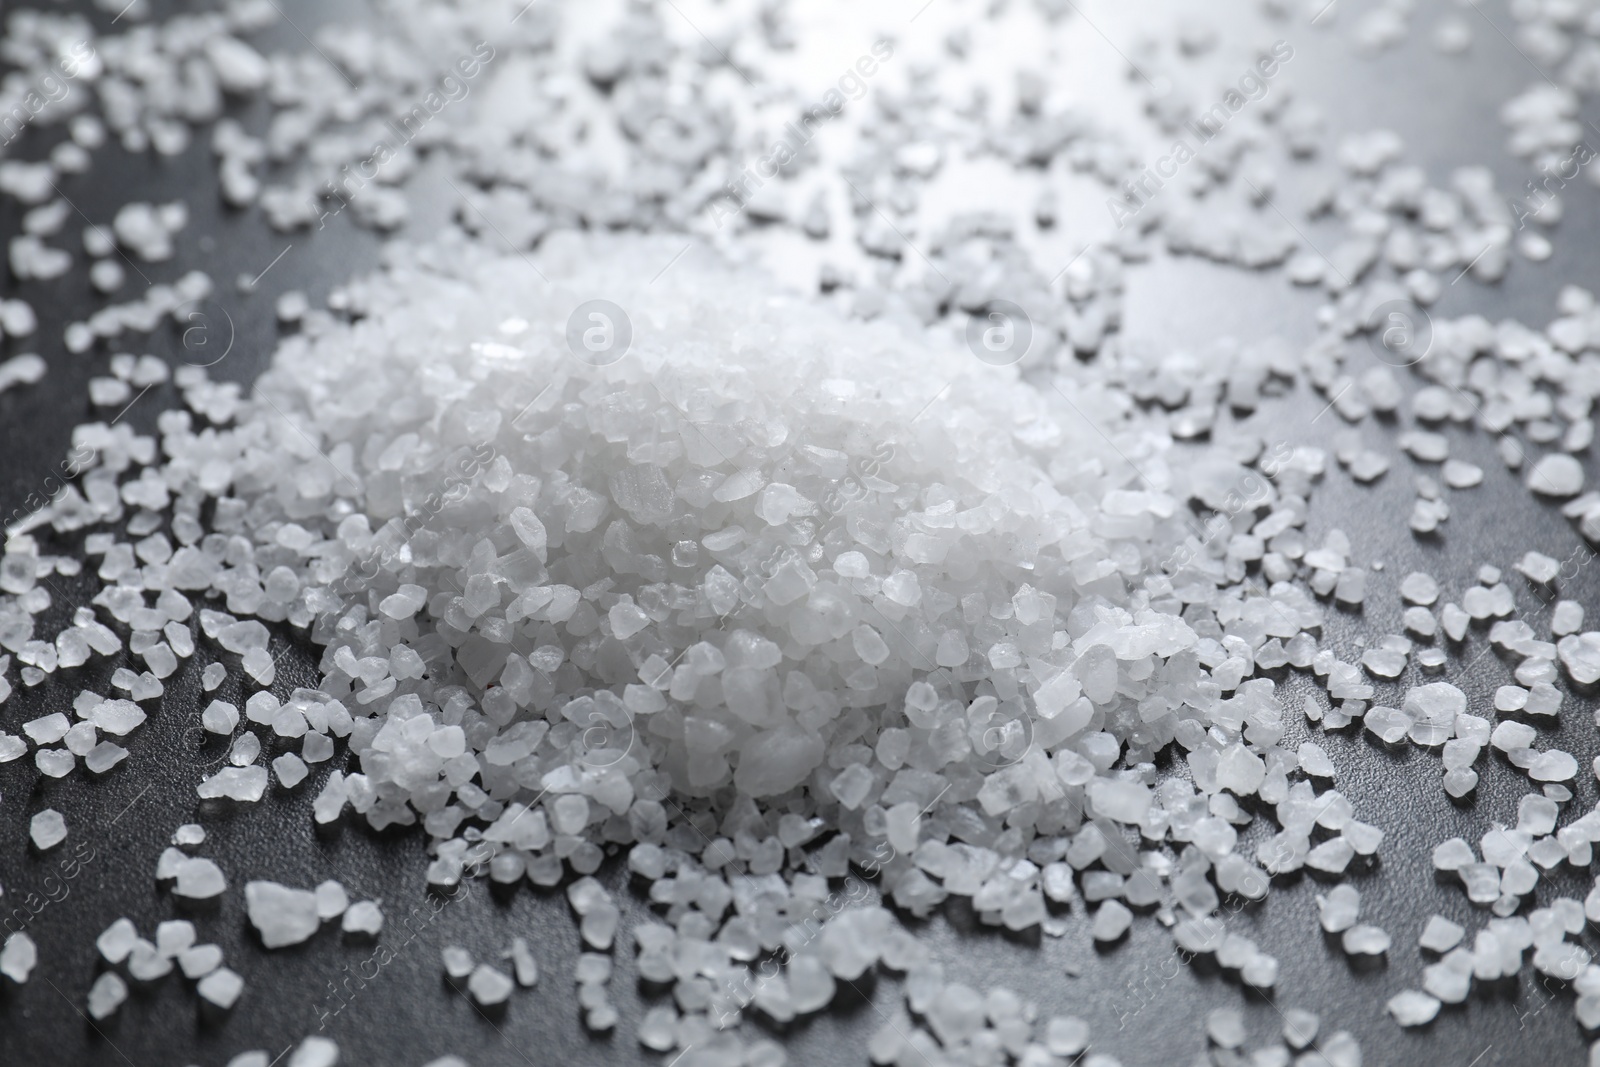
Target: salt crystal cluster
column 767, row 595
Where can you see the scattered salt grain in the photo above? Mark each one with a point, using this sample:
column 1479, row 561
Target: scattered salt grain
column 1111, row 921
column 198, row 961
column 489, row 986
column 199, row 879
column 221, row 987
column 106, row 995
column 281, row 915
column 18, row 957
column 1412, row 1008
column 363, row 917
column 457, row 961
column 47, row 829
column 314, row 1051
column 1365, row 940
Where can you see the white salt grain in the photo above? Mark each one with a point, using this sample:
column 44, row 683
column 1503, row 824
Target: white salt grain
column 363, row 917
column 106, row 995
column 489, row 986
column 314, row 1051
column 457, row 961
column 199, row 879
column 331, row 900
column 47, row 829
column 281, row 915
column 18, row 957
column 1440, row 935
column 1412, row 1008
column 221, row 987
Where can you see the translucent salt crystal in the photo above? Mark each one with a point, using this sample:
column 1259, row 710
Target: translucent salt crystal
column 363, row 917
column 1364, row 940
column 314, row 1051
column 332, row 900
column 290, row 769
column 219, row 717
column 1340, row 908
column 1561, row 959
column 47, row 829
column 627, row 619
column 1122, row 801
column 262, row 708
column 852, row 785
column 1458, row 474
column 199, row 879
column 1332, row 856
column 1454, row 621
column 658, row 1029
column 1111, row 921
column 189, row 835
column 1384, row 663
column 1388, row 724
column 1066, row 1035
column 1543, row 699
column 221, row 987
column 1566, row 618
column 1580, row 654
column 1419, row 588
column 1536, row 815
column 199, row 960
column 281, row 915
column 1420, row 621
column 1511, row 736
column 810, row 984
column 489, row 986
column 1412, row 1008
column 1361, row 837
column 330, row 802
column 1460, row 781
column 1538, row 567
column 1510, row 698
column 1556, row 474
column 1473, row 728
column 1441, row 935
column 458, row 961
column 18, row 957
column 245, row 750
column 1225, row 1027
column 212, row 677
column 1351, row 587
column 1482, row 882
column 244, row 784
column 599, row 926
column 107, row 994
column 317, row 748
column 55, row 762
column 1553, row 766
column 117, row 940
column 117, row 717
column 1300, row 1027
column 592, row 968
column 1436, row 702
column 1314, row 760
column 48, row 729
column 523, row 965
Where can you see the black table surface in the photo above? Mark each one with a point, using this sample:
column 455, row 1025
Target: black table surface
column 1143, row 1006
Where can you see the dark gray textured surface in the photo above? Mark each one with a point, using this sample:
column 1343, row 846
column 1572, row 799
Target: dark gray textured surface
column 1144, row 1005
